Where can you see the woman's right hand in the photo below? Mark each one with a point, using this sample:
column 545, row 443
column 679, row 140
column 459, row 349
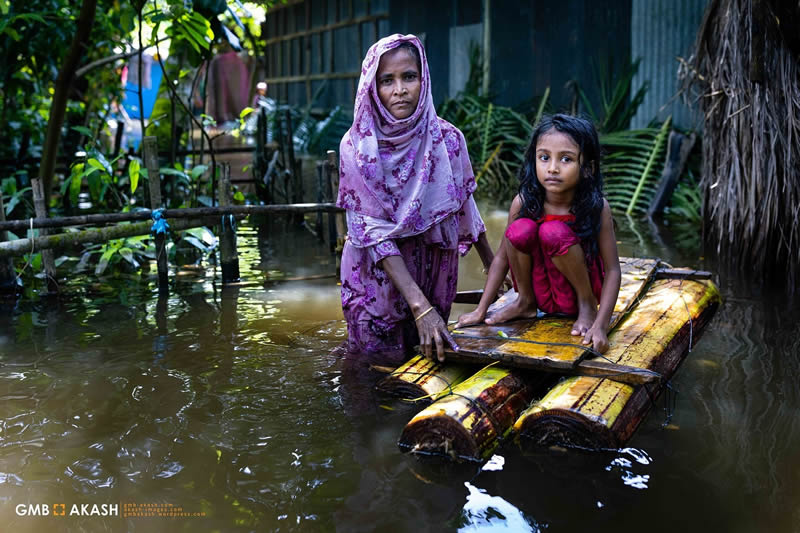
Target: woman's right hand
column 433, row 334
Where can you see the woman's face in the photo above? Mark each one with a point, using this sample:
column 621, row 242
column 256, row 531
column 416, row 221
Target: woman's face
column 399, row 83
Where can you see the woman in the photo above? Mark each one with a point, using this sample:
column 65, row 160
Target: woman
column 406, row 182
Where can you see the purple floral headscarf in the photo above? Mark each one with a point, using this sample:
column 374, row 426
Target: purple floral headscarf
column 410, row 173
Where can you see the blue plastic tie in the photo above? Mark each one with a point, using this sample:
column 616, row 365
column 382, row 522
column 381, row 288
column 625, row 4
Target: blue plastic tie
column 159, row 222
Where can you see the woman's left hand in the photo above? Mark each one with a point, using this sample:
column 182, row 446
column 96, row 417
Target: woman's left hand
column 433, row 333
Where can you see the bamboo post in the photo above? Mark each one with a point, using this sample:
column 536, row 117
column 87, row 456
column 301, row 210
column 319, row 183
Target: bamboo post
column 320, row 197
column 336, row 225
column 47, row 255
column 294, row 164
column 678, row 148
column 8, row 278
column 150, row 152
column 487, row 47
column 227, row 237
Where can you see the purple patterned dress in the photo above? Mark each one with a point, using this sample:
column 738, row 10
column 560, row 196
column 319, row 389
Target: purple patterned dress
column 407, row 186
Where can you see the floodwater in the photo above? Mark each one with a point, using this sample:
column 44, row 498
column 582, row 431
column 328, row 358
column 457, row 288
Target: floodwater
column 225, row 404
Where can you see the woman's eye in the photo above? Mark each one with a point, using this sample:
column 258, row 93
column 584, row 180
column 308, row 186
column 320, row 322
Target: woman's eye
column 410, row 77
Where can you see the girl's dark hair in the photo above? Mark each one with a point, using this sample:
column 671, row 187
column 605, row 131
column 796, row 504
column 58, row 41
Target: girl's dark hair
column 587, row 204
column 411, row 49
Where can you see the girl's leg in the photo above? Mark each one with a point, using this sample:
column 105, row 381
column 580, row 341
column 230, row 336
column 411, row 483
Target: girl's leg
column 521, row 243
column 561, row 245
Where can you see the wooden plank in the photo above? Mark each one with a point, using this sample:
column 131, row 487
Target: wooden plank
column 545, row 343
column 327, row 27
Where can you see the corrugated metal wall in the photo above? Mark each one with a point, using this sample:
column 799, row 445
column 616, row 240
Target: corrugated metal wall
column 538, row 44
column 314, row 48
column 662, row 30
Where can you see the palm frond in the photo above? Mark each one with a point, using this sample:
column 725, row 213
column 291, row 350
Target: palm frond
column 633, row 165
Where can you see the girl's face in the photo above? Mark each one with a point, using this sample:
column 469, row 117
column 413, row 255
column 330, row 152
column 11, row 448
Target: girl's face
column 399, row 83
column 558, row 166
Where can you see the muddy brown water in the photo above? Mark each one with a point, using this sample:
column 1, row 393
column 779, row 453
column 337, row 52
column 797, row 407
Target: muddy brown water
column 226, row 404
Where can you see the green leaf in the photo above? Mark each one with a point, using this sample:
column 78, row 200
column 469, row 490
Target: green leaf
column 75, row 188
column 102, row 264
column 238, row 197
column 4, row 7
column 198, row 171
column 126, row 20
column 172, row 172
column 96, row 164
column 196, row 243
column 83, row 130
column 134, row 170
column 95, row 184
column 127, row 254
column 204, row 234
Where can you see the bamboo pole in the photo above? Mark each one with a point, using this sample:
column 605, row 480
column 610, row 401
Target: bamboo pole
column 150, row 151
column 145, row 214
column 39, row 199
column 336, row 222
column 321, row 197
column 73, row 238
column 294, row 164
column 8, row 278
column 487, row 46
column 229, row 257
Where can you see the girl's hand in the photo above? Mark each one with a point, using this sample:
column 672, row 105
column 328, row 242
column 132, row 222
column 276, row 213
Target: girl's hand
column 597, row 337
column 433, row 333
column 470, row 319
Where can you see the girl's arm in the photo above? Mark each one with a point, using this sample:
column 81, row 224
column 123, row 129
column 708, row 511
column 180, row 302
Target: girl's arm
column 497, row 274
column 597, row 335
column 431, row 327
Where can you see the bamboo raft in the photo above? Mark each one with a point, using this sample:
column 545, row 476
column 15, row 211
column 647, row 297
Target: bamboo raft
column 660, row 314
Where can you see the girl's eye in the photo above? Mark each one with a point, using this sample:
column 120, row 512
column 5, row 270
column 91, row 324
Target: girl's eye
column 566, row 159
column 543, row 157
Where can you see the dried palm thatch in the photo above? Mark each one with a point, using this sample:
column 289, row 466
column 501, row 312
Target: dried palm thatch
column 744, row 72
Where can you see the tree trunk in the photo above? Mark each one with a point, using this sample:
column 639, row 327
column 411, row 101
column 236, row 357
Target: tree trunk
column 422, row 379
column 469, row 424
column 61, row 93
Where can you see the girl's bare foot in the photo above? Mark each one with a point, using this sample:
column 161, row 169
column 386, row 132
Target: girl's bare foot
column 516, row 309
column 470, row 319
column 587, row 312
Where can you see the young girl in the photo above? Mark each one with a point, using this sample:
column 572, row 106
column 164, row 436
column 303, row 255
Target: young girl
column 559, row 243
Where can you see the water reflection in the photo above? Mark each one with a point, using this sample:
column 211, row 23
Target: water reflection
column 229, row 401
column 484, row 512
